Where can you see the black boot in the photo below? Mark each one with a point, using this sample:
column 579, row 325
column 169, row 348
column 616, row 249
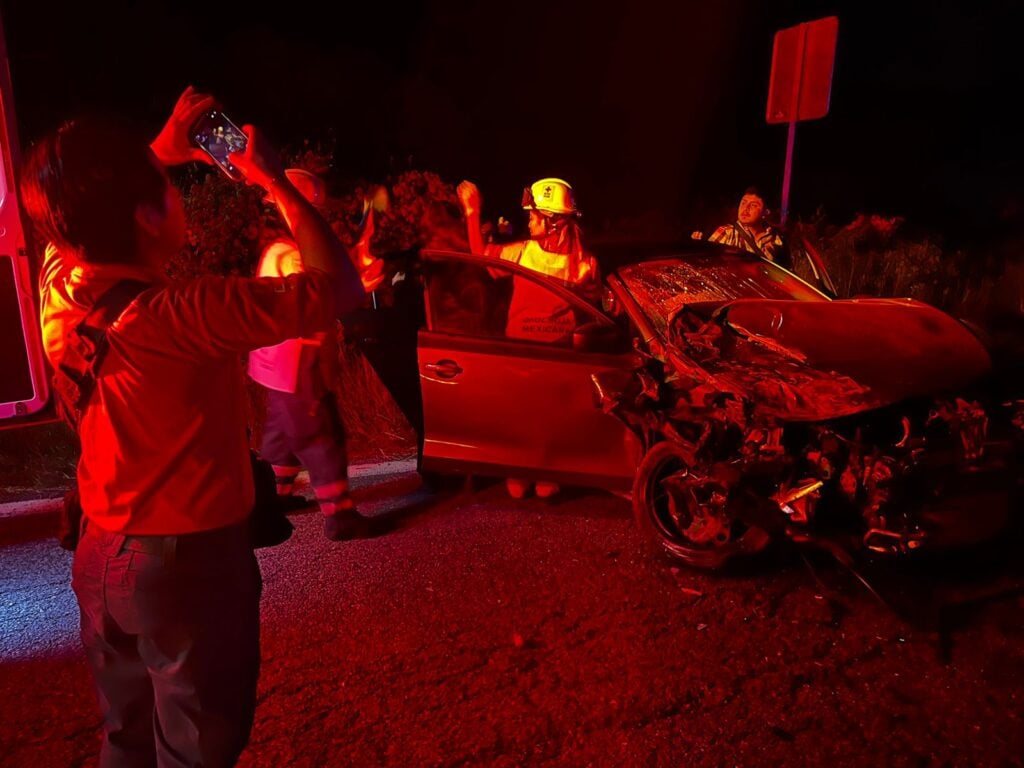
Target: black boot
column 346, row 525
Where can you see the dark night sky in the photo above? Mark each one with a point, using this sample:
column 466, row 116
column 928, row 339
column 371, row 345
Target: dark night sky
column 642, row 106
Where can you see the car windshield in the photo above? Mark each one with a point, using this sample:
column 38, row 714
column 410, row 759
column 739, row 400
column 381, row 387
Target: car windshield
column 662, row 286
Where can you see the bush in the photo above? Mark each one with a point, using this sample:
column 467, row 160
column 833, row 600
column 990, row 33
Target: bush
column 872, row 256
column 37, row 461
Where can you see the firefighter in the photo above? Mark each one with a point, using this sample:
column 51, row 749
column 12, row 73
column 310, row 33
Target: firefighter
column 554, row 248
column 555, row 245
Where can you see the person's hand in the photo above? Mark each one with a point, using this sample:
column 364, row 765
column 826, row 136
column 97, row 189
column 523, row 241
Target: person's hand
column 372, row 275
column 469, row 197
column 173, row 145
column 380, row 200
column 362, row 246
column 259, row 163
column 697, row 235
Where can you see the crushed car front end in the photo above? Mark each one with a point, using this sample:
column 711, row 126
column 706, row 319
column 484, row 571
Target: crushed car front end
column 768, row 407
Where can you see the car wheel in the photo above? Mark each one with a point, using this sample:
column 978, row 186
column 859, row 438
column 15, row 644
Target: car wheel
column 685, row 516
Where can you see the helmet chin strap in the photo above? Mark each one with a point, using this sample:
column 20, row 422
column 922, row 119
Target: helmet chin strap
column 552, row 224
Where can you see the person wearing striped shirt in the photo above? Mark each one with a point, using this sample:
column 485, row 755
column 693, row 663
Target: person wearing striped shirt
column 751, row 231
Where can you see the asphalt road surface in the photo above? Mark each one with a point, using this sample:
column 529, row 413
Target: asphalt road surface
column 482, row 632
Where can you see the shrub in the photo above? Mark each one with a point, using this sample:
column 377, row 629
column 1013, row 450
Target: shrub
column 872, row 256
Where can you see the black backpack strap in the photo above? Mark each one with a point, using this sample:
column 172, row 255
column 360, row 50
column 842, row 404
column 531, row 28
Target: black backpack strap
column 86, row 347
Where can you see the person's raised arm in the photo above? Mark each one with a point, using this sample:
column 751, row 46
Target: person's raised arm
column 173, row 145
column 469, row 197
column 319, row 245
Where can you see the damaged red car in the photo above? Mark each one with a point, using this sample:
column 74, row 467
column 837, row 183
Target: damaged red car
column 733, row 401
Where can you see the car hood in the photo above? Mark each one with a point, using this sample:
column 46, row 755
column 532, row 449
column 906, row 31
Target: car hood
column 813, row 360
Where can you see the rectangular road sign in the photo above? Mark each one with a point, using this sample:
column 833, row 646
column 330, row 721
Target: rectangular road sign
column 801, row 80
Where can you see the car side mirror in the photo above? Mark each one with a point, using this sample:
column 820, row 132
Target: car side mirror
column 596, row 336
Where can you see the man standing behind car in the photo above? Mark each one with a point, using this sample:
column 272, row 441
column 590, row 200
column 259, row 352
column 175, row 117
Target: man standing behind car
column 167, row 584
column 751, row 231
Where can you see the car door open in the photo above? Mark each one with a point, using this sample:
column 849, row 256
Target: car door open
column 511, row 393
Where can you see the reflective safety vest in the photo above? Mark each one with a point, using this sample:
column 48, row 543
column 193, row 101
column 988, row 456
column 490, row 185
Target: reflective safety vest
column 534, row 312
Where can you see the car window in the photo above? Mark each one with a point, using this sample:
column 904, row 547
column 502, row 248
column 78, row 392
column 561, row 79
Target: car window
column 661, row 287
column 490, row 300
column 465, row 299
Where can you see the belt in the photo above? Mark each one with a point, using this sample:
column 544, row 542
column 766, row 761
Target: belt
column 189, row 543
column 153, row 545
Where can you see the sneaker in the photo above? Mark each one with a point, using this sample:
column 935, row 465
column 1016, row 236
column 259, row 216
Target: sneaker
column 347, row 525
column 517, row 489
column 546, row 490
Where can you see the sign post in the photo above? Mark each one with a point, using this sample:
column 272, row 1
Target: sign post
column 801, row 82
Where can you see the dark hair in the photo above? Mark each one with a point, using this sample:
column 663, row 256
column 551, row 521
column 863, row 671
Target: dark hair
column 82, row 184
column 753, row 191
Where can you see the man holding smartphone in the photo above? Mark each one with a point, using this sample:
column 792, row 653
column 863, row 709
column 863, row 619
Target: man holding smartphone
column 167, row 584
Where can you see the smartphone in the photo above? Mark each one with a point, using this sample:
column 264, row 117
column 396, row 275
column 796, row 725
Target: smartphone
column 216, row 135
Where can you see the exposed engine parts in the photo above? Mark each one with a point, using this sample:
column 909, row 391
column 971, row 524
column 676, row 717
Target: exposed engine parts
column 741, row 462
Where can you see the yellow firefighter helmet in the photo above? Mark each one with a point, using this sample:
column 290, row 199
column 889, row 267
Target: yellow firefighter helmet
column 550, row 196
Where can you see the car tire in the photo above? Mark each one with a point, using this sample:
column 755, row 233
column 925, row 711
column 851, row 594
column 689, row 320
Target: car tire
column 652, row 510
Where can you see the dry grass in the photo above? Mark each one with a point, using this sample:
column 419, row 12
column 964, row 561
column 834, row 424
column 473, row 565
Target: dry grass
column 376, row 427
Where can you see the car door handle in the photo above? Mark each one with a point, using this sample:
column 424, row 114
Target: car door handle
column 446, row 369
